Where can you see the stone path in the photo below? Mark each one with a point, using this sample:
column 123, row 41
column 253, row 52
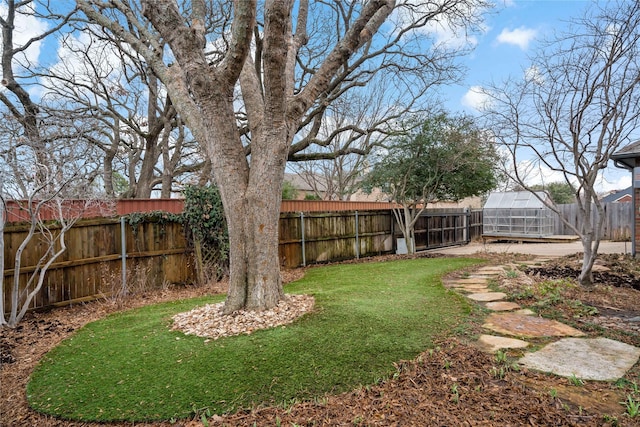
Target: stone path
column 509, row 326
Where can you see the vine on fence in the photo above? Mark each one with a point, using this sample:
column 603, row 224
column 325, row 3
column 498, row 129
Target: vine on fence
column 203, row 215
column 159, row 217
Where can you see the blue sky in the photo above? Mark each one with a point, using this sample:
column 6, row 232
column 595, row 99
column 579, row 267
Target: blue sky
column 503, row 49
column 510, row 35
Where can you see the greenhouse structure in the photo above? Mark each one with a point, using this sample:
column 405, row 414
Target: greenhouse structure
column 517, row 214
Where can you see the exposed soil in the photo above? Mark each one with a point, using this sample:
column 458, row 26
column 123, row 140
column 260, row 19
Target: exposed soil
column 455, row 384
column 615, row 298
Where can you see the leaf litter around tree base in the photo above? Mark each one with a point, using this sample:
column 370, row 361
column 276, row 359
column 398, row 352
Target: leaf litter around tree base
column 209, row 321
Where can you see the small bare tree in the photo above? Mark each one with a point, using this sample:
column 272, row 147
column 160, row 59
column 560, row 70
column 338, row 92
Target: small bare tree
column 42, row 158
column 41, row 191
column 52, row 237
column 578, row 103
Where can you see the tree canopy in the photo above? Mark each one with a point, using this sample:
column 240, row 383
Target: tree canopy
column 253, row 81
column 560, row 192
column 445, row 158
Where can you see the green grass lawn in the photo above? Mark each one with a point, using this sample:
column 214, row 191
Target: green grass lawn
column 130, row 366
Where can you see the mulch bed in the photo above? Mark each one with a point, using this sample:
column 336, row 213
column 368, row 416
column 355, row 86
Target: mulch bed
column 453, row 385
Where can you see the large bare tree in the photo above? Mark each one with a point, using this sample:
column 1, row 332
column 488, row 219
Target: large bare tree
column 201, row 50
column 578, row 103
column 20, row 48
column 134, row 123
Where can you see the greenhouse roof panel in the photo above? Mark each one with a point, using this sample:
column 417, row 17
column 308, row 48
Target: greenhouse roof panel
column 515, row 200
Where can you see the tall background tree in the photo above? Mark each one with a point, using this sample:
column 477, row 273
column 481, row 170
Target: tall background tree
column 43, row 156
column 561, row 193
column 135, row 127
column 446, row 158
column 33, row 126
column 577, row 104
column 288, row 71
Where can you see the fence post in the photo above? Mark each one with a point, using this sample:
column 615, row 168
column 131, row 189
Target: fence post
column 467, row 228
column 357, row 239
column 124, row 255
column 393, row 231
column 304, row 258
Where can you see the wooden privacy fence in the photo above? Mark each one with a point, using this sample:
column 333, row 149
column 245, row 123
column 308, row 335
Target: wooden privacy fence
column 617, row 223
column 92, row 267
column 314, row 237
column 158, row 253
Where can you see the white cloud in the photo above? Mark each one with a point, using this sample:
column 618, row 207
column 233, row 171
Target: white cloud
column 445, row 35
column 533, row 74
column 535, row 173
column 520, row 37
column 475, row 98
column 26, row 28
column 446, row 30
column 613, row 179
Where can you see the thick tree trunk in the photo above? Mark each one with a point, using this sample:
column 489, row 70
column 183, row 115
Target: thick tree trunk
column 254, row 282
column 257, row 284
column 251, row 197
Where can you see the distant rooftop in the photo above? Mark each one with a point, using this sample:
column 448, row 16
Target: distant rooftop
column 617, row 195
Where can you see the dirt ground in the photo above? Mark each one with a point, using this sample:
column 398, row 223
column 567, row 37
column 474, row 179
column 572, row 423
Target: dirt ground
column 452, row 385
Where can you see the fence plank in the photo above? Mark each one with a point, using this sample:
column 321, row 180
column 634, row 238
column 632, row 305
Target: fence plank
column 617, row 225
column 331, row 236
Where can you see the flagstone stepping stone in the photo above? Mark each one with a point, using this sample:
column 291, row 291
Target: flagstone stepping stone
column 490, row 270
column 520, row 325
column 487, row 296
column 502, row 306
column 472, row 281
column 486, row 279
column 598, row 359
column 474, row 289
column 493, row 343
column 470, row 286
column 525, row 312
